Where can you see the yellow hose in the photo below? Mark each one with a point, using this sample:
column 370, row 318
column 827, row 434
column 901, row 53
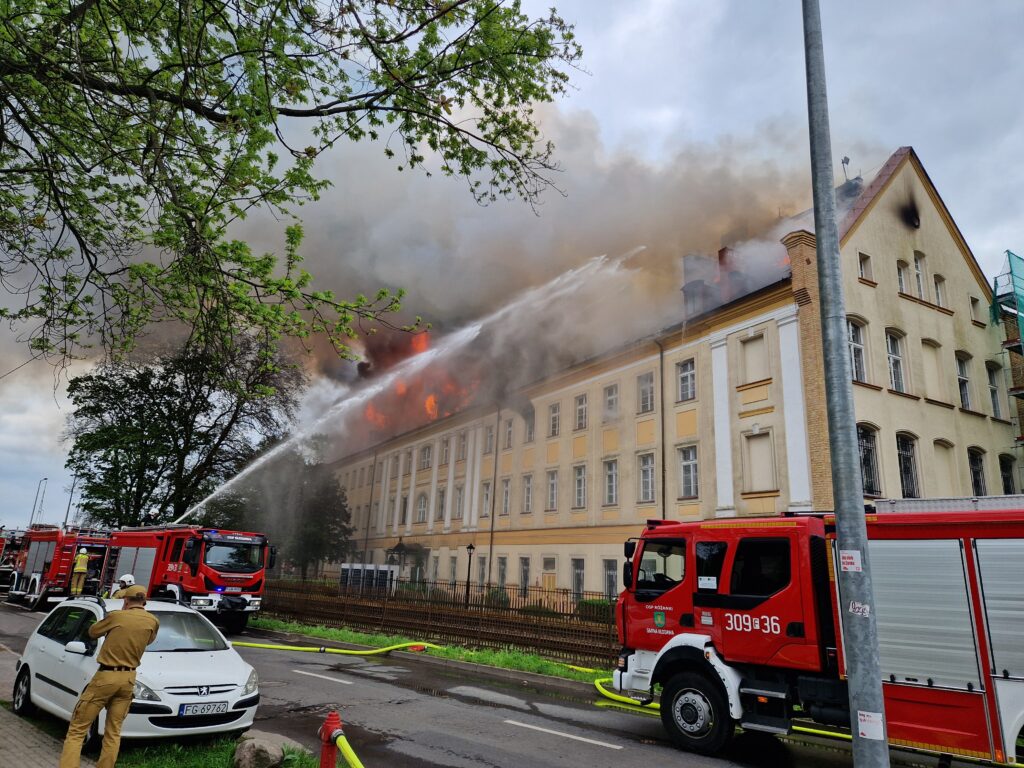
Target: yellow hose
column 342, row 651
column 351, row 759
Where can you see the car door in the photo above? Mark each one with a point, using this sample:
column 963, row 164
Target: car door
column 49, row 678
column 76, row 669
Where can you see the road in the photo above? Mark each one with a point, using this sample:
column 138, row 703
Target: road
column 410, row 712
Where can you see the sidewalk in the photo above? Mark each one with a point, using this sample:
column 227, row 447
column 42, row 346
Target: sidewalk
column 21, row 743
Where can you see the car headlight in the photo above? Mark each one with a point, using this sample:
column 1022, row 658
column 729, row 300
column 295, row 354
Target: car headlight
column 252, row 684
column 255, row 602
column 144, row 692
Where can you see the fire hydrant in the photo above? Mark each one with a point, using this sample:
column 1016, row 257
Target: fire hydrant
column 328, row 748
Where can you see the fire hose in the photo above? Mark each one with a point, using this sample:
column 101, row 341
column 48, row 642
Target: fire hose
column 340, row 651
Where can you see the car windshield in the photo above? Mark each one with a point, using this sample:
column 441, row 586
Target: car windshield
column 183, row 631
column 241, row 558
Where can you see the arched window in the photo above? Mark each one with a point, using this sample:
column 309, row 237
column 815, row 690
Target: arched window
column 895, row 350
column 919, row 275
column 976, row 463
column 995, row 396
column 1007, row 472
column 940, row 290
column 906, row 455
column 902, row 276
column 421, row 508
column 855, row 339
column 868, row 444
column 963, row 378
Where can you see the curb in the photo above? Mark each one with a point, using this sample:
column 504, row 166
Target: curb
column 575, row 686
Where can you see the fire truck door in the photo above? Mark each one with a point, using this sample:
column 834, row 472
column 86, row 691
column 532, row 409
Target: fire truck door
column 761, row 616
column 1001, row 569
column 662, row 592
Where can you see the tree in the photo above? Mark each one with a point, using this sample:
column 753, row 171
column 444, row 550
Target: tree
column 150, row 440
column 133, row 135
column 320, row 529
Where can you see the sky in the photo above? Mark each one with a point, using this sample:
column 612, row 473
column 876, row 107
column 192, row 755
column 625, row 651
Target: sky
column 686, row 108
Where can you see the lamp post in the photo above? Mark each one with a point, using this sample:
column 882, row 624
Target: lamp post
column 469, row 569
column 31, row 518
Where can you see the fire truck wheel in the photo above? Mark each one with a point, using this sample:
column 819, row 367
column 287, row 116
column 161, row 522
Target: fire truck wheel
column 22, row 700
column 695, row 713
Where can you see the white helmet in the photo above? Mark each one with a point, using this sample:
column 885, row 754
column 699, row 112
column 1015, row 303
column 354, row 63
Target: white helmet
column 82, row 551
column 128, row 580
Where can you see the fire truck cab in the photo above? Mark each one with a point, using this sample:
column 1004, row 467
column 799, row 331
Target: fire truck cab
column 45, row 561
column 220, row 573
column 737, row 622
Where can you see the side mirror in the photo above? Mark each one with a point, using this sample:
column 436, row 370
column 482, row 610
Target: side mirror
column 627, row 575
column 189, row 544
column 628, row 549
column 273, row 557
column 76, row 646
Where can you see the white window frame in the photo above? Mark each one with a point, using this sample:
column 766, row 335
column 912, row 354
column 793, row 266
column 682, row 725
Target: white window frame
column 939, row 283
column 421, row 508
column 611, row 482
column 855, row 340
column 552, row 487
column 489, row 439
column 527, row 494
column 963, row 381
column 689, row 472
column 554, row 419
column 446, row 447
column 686, row 380
column 894, row 351
column 579, row 479
column 581, row 411
column 645, row 392
column 485, row 498
column 611, row 402
column 994, row 393
column 901, row 276
column 919, row 275
column 426, row 456
column 508, row 434
column 646, row 488
column 439, row 512
column 506, row 496
column 460, row 501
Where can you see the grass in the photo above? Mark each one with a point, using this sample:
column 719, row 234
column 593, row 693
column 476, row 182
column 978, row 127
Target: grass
column 193, row 753
column 502, row 659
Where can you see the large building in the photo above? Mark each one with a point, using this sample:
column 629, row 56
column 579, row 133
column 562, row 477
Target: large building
column 721, row 416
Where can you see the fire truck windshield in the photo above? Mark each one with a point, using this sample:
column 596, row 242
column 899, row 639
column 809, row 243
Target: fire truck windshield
column 230, row 556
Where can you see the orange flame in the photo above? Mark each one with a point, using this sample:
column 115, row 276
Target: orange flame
column 375, row 417
column 420, row 342
column 430, row 405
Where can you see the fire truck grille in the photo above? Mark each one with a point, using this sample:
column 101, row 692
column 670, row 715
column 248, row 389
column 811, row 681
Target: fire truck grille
column 193, row 690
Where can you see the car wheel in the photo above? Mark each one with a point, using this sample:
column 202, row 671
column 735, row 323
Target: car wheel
column 695, row 713
column 21, row 702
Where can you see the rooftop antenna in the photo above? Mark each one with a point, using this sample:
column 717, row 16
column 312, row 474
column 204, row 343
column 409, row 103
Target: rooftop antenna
column 846, row 162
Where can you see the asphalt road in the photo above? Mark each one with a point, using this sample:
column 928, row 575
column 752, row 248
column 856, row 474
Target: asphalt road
column 409, row 712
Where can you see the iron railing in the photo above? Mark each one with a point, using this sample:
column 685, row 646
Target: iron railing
column 558, row 623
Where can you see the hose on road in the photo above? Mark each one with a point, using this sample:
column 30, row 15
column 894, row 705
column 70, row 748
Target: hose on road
column 340, row 651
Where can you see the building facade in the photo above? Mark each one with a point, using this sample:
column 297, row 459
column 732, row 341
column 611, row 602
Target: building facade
column 721, row 416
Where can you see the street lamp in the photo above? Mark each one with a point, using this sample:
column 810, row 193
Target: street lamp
column 32, row 517
column 469, row 569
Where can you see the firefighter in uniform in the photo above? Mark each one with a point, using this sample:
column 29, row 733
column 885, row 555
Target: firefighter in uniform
column 124, row 583
column 79, row 571
column 127, row 634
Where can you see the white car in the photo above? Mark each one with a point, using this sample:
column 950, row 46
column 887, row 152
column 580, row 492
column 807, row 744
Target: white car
column 191, row 681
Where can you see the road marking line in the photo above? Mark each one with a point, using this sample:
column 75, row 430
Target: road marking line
column 323, row 677
column 565, row 735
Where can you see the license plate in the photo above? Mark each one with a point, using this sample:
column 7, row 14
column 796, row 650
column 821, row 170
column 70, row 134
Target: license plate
column 206, row 708
column 232, row 589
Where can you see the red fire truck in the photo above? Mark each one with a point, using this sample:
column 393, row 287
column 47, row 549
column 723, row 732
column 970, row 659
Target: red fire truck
column 43, row 565
column 738, row 622
column 218, row 572
column 10, row 545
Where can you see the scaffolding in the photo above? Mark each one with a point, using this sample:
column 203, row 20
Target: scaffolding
column 1008, row 311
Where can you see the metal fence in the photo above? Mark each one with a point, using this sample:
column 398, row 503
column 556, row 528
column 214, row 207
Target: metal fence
column 557, row 623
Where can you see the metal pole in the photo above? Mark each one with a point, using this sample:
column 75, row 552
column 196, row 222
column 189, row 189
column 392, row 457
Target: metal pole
column 494, row 495
column 469, row 570
column 35, row 501
column 67, row 512
column 860, row 633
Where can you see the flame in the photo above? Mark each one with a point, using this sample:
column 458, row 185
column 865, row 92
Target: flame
column 430, row 405
column 375, row 417
column 420, row 342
